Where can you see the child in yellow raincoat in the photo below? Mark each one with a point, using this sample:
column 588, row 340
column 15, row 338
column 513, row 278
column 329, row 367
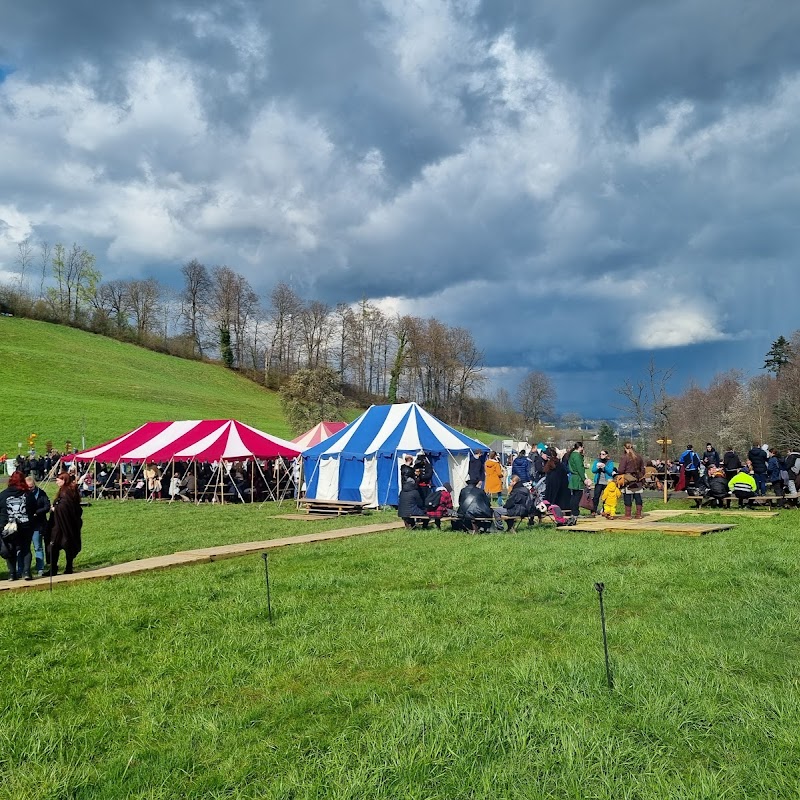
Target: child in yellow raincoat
column 609, row 499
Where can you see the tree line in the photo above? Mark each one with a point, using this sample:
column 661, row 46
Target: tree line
column 364, row 355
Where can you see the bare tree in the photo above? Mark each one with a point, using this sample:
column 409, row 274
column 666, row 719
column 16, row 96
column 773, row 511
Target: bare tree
column 144, row 297
column 24, row 259
column 468, row 361
column 648, row 402
column 285, row 309
column 315, row 329
column 44, row 261
column 536, row 398
column 195, row 299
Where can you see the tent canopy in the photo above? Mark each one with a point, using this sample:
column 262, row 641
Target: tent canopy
column 184, row 440
column 362, row 461
column 319, row 433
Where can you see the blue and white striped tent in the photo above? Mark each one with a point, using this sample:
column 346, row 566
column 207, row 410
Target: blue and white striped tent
column 362, row 461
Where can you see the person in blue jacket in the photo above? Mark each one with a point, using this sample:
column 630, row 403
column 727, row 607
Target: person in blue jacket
column 521, row 466
column 603, row 471
column 690, row 462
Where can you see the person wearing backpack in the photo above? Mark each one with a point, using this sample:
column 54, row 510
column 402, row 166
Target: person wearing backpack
column 439, row 503
column 17, row 510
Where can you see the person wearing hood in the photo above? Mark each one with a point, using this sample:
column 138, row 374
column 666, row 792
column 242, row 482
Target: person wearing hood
column 474, row 505
column 494, row 476
column 17, row 512
column 758, row 459
column 410, row 503
column 444, row 504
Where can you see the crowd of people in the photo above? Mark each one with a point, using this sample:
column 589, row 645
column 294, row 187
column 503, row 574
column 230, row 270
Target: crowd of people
column 531, row 485
column 545, row 481
column 204, row 481
column 34, row 531
column 722, row 477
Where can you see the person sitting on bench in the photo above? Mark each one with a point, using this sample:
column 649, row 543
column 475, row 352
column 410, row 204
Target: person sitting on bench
column 410, row 504
column 717, row 486
column 519, row 503
column 743, row 485
column 474, row 509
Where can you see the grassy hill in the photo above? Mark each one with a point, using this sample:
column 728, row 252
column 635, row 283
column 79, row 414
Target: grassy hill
column 63, row 384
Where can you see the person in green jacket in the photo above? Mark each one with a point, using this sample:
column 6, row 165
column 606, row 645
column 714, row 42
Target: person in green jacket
column 577, row 478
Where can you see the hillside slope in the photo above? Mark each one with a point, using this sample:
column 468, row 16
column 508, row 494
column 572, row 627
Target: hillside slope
column 63, row 384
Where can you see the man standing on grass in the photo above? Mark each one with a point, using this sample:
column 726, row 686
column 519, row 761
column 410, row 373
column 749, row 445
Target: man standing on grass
column 690, row 462
column 758, row 459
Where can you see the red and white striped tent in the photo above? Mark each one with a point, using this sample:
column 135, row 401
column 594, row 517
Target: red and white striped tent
column 215, row 440
column 319, row 433
column 188, row 440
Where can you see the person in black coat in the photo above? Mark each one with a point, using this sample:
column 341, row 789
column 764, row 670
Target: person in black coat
column 410, row 504
column 556, row 480
column 730, row 463
column 474, row 504
column 519, row 503
column 758, row 458
column 66, row 523
column 17, row 510
column 710, row 456
column 424, row 473
column 407, row 469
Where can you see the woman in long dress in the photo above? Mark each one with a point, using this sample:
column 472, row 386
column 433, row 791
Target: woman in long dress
column 66, row 521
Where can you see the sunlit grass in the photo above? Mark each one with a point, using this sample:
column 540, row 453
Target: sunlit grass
column 409, row 664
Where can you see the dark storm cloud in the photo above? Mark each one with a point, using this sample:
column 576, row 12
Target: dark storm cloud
column 709, row 51
column 582, row 184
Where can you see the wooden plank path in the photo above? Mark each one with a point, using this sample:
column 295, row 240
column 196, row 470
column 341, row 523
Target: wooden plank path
column 658, row 520
column 198, row 556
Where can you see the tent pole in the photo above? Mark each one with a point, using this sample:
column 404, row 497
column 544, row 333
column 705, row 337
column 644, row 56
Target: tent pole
column 172, row 461
column 266, row 485
column 133, row 480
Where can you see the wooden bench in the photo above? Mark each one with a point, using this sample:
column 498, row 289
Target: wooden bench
column 489, row 522
column 330, row 508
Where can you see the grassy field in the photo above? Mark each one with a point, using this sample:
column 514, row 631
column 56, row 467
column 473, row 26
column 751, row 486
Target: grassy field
column 408, row 665
column 63, row 383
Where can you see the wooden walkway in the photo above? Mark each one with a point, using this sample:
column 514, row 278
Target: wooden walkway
column 200, row 556
column 658, row 520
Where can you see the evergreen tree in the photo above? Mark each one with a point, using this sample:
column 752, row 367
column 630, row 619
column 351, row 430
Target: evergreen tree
column 778, row 355
column 606, row 437
column 225, row 346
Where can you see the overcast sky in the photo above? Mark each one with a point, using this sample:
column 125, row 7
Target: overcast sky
column 582, row 184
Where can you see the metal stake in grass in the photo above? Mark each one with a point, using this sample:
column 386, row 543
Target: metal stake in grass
column 265, row 556
column 600, row 588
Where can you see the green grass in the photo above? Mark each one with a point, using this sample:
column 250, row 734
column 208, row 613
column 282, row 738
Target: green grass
column 408, row 665
column 63, row 383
